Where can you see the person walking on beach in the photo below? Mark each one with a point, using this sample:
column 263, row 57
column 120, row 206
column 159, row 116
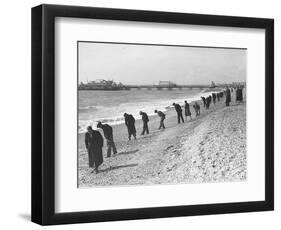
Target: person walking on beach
column 145, row 121
column 162, row 118
column 187, row 110
column 130, row 123
column 94, row 144
column 179, row 112
column 208, row 102
column 204, row 101
column 228, row 96
column 214, row 98
column 239, row 94
column 196, row 107
column 108, row 134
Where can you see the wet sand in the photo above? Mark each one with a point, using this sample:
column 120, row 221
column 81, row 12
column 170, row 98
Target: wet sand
column 209, row 148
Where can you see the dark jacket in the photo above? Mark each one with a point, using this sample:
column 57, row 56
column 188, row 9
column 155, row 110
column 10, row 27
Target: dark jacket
column 187, row 109
column 228, row 96
column 178, row 108
column 161, row 114
column 129, row 120
column 144, row 117
column 107, row 131
column 130, row 123
column 94, row 144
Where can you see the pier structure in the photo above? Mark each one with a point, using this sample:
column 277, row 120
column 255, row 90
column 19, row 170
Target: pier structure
column 162, row 85
column 170, row 86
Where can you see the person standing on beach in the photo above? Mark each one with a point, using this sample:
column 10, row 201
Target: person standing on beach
column 228, row 96
column 208, row 102
column 179, row 112
column 145, row 121
column 130, row 123
column 239, row 93
column 196, row 107
column 214, row 98
column 162, row 118
column 94, row 144
column 187, row 110
column 204, row 101
column 108, row 134
column 218, row 96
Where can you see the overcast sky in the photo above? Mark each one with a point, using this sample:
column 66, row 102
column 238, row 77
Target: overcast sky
column 148, row 64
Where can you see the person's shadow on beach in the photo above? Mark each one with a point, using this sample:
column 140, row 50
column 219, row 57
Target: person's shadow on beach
column 128, row 152
column 117, row 167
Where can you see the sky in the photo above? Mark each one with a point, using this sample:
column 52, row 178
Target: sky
column 148, row 64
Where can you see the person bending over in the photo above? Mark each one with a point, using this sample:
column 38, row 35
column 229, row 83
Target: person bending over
column 145, row 121
column 179, row 112
column 162, row 118
column 108, row 134
column 94, row 144
column 130, row 123
column 187, row 110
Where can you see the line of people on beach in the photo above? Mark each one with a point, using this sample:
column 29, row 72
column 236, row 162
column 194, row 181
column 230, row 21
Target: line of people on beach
column 94, row 140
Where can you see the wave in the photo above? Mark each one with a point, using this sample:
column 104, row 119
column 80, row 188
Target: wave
column 116, row 113
column 90, row 107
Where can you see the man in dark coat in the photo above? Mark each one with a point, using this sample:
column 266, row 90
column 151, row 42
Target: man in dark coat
column 214, row 98
column 145, row 121
column 94, row 144
column 187, row 110
column 228, row 96
column 108, row 134
column 204, row 101
column 208, row 102
column 239, row 94
column 162, row 118
column 179, row 112
column 196, row 107
column 218, row 96
column 130, row 123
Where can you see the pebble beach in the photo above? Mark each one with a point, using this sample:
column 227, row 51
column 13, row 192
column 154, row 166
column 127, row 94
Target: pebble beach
column 208, row 148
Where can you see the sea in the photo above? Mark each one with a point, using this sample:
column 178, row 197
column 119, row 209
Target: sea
column 109, row 106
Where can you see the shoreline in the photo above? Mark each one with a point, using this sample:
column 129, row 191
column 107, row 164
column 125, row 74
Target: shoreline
column 118, row 120
column 192, row 152
column 120, row 130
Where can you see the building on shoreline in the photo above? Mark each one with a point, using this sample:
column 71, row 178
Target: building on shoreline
column 101, row 84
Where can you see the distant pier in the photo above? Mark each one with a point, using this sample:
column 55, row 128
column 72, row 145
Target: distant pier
column 162, row 85
column 171, row 87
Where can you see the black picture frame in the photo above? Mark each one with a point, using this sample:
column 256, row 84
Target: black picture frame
column 43, row 114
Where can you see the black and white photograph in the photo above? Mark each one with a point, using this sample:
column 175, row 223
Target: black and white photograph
column 152, row 114
column 140, row 114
